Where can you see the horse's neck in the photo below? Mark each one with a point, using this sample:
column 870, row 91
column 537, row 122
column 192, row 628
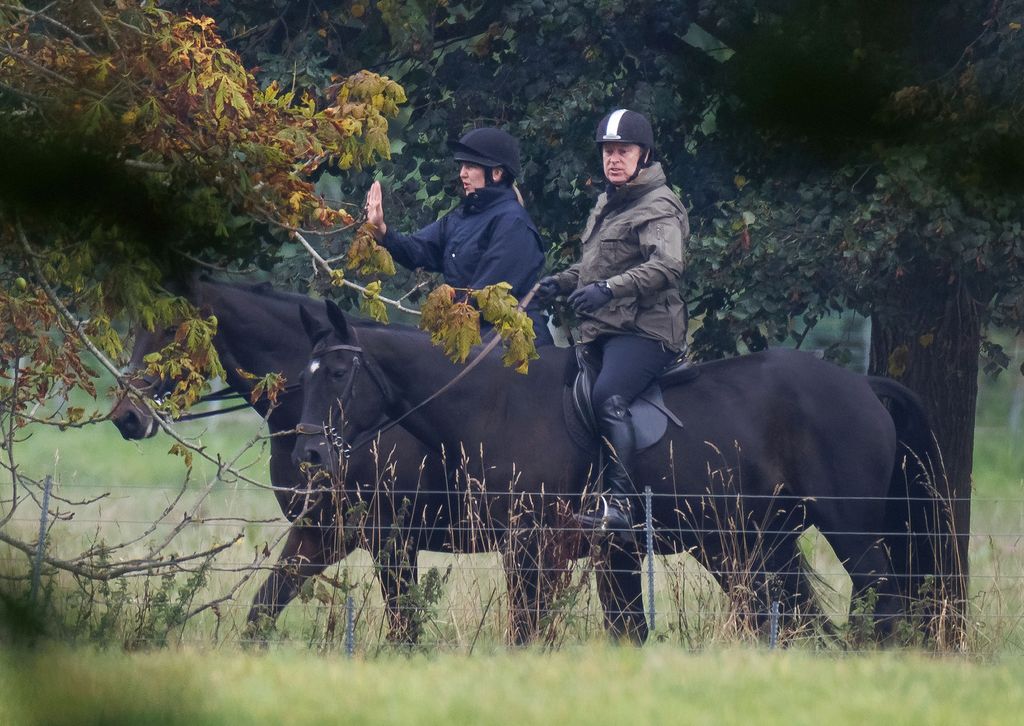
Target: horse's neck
column 259, row 336
column 419, row 370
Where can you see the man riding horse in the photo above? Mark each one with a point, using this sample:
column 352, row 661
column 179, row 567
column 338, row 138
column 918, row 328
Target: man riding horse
column 632, row 316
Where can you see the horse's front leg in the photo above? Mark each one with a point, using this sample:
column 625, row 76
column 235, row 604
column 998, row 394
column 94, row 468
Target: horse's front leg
column 308, row 550
column 537, row 571
column 396, row 568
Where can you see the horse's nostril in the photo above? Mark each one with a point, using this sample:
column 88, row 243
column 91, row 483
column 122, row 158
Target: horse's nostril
column 313, row 457
column 130, row 425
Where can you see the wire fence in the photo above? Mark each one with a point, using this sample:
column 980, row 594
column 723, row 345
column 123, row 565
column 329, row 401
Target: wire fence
column 386, row 568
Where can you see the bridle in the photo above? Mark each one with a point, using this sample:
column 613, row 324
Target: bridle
column 360, row 361
column 157, row 388
column 387, row 392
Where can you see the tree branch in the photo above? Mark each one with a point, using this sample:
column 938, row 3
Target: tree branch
column 322, row 263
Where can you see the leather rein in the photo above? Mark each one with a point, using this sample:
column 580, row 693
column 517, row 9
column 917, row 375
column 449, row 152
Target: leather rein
column 157, row 388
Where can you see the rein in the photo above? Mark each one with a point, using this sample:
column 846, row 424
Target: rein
column 225, row 394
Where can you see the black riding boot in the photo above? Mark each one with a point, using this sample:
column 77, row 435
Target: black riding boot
column 619, row 439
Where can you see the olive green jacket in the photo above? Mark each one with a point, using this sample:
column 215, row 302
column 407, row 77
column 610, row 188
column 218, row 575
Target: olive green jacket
column 635, row 240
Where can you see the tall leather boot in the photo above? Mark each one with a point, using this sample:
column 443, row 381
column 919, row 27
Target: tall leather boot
column 619, row 440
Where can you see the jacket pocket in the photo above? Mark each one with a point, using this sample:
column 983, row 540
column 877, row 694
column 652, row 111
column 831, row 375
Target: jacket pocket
column 664, row 318
column 621, row 313
column 618, row 255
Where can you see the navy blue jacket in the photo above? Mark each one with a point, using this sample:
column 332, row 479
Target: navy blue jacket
column 489, row 238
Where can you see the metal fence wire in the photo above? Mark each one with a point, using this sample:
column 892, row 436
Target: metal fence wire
column 376, row 570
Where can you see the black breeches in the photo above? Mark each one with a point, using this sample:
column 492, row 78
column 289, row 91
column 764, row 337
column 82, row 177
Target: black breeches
column 629, row 364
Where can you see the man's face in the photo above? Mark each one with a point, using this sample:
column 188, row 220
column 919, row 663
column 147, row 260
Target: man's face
column 620, row 161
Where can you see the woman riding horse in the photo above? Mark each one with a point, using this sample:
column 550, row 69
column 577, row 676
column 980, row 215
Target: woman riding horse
column 490, row 238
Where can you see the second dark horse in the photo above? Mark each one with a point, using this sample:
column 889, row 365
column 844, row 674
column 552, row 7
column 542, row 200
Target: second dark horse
column 259, row 332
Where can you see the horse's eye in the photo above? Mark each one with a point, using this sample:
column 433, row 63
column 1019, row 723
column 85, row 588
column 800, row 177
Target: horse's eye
column 339, row 374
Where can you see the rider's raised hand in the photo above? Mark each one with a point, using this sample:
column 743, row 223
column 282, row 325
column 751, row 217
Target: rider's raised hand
column 375, row 210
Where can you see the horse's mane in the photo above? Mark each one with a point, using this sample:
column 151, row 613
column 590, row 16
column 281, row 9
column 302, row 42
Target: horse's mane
column 263, row 289
column 267, row 291
column 549, row 354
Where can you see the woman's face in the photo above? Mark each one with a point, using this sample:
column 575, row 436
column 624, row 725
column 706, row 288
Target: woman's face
column 620, row 161
column 474, row 176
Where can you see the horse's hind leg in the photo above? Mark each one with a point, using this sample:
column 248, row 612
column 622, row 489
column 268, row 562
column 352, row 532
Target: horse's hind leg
column 619, row 585
column 307, row 552
column 874, row 596
column 789, row 585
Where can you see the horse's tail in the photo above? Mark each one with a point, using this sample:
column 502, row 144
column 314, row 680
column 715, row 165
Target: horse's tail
column 918, row 521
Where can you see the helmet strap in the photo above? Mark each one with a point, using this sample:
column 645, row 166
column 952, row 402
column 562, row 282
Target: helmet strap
column 641, row 164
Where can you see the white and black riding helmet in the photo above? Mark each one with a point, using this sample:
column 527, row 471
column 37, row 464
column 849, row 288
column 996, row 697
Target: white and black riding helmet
column 627, row 127
column 490, row 148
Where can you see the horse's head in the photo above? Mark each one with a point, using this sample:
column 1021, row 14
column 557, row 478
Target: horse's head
column 133, row 418
column 346, row 395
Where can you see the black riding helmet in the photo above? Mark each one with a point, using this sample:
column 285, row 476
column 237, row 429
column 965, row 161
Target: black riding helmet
column 627, row 127
column 489, row 148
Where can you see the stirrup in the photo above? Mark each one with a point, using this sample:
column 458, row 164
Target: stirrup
column 605, row 523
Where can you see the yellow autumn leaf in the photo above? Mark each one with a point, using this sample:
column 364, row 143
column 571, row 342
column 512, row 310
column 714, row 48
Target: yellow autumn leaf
column 460, row 332
column 435, row 309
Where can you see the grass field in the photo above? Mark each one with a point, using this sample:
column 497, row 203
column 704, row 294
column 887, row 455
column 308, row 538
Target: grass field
column 590, row 685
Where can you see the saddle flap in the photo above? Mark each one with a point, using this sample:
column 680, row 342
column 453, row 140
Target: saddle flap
column 649, row 417
column 649, row 413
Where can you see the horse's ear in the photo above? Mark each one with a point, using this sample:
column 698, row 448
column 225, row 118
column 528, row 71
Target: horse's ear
column 314, row 328
column 337, row 318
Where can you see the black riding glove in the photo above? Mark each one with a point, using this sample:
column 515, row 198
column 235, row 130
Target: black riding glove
column 547, row 290
column 591, row 297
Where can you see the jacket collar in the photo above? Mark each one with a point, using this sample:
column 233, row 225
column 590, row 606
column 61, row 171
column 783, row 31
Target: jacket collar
column 486, row 197
column 648, row 179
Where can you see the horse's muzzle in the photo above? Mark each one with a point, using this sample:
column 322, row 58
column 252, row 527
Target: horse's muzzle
column 133, row 423
column 314, row 451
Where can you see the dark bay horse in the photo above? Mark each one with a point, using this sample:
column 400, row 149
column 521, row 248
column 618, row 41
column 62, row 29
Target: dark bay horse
column 259, row 331
column 771, row 443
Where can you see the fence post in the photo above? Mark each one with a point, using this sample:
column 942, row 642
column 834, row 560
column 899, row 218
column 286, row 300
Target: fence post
column 773, row 635
column 649, row 526
column 350, row 626
column 37, row 565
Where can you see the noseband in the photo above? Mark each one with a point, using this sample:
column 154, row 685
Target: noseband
column 156, row 387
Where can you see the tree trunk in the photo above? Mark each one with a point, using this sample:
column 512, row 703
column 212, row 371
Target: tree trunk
column 928, row 337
